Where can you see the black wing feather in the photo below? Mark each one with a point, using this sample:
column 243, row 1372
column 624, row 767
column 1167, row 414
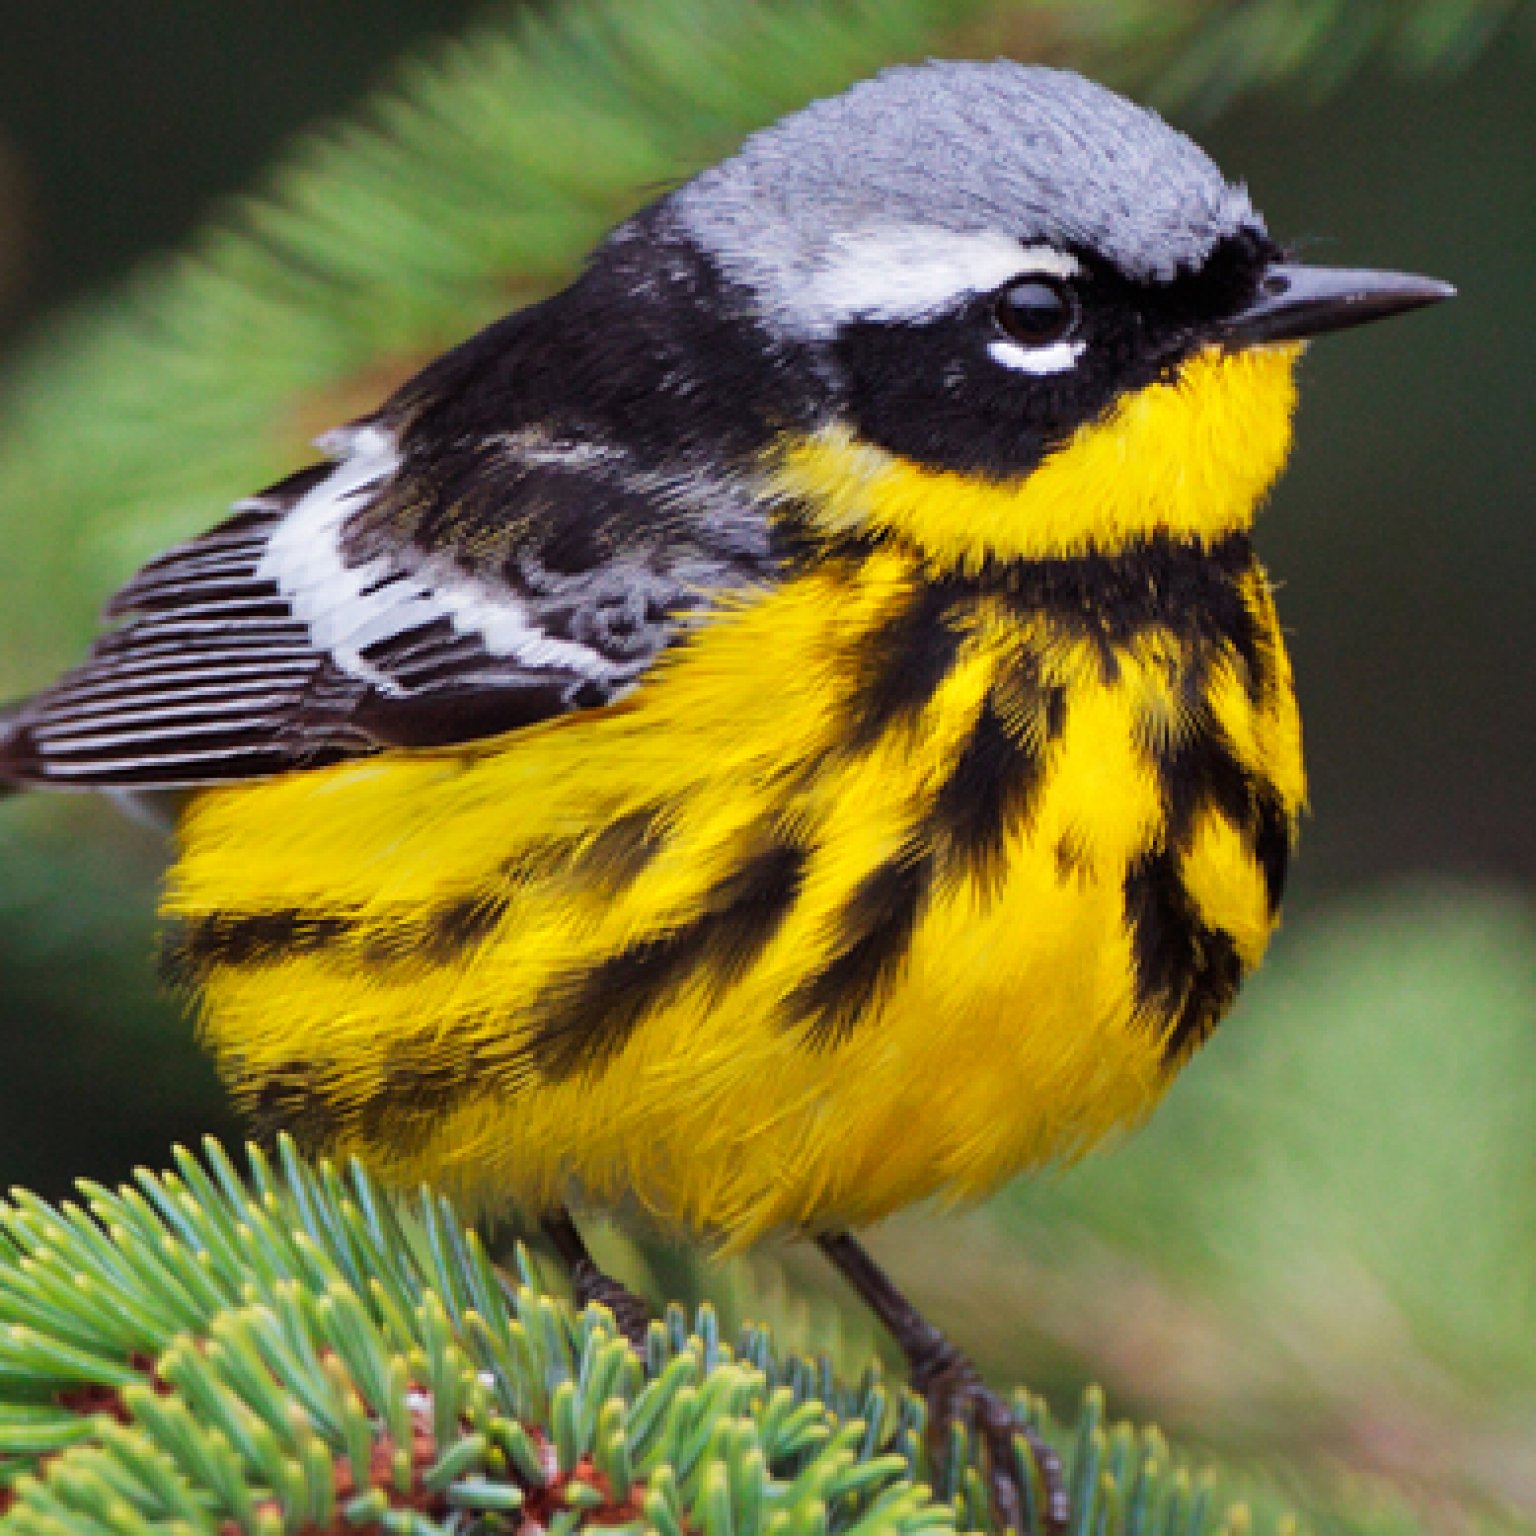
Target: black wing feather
column 496, row 546
column 213, row 673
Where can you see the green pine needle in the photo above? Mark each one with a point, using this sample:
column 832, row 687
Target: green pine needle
column 345, row 1357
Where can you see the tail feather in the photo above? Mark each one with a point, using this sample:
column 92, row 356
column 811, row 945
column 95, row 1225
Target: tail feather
column 21, row 769
column 16, row 753
column 11, row 751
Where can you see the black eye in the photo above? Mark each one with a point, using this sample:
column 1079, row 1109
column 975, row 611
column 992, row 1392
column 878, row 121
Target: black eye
column 1037, row 311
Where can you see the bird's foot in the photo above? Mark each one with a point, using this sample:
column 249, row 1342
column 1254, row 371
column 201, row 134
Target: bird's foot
column 955, row 1393
column 590, row 1283
column 630, row 1312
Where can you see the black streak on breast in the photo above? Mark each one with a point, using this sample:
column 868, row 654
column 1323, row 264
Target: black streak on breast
column 292, row 1098
column 585, row 1019
column 1187, row 974
column 995, row 783
column 901, row 665
column 874, row 935
column 190, row 950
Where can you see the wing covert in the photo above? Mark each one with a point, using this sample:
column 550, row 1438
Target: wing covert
column 395, row 596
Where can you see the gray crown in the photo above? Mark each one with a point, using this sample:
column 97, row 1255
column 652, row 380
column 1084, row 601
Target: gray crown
column 1040, row 154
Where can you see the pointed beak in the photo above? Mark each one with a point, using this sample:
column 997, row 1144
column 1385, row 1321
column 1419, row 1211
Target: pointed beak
column 1295, row 302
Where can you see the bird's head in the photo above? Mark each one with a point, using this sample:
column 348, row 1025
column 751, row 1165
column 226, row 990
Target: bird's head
column 995, row 310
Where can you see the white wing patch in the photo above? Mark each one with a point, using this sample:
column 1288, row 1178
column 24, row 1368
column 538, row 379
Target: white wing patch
column 349, row 608
column 258, row 648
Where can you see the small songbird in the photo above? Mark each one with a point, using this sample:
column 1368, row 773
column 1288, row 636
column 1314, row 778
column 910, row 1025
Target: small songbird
column 790, row 725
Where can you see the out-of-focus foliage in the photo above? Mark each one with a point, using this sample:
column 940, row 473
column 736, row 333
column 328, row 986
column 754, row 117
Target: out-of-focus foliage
column 1327, row 1237
column 481, row 180
column 1322, row 1246
column 89, row 1053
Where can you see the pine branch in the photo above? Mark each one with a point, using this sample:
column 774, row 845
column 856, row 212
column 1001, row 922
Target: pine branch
column 296, row 1351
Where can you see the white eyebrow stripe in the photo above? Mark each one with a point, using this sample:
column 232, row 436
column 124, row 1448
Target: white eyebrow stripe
column 910, row 272
column 1047, row 261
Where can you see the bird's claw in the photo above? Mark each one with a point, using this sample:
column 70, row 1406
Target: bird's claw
column 956, row 1394
column 631, row 1315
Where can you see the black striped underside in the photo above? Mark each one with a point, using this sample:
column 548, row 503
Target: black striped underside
column 1186, row 973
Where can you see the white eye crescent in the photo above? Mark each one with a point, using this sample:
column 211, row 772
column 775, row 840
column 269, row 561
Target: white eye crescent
column 1056, row 358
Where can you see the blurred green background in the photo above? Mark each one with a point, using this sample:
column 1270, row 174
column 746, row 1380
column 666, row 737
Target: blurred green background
column 1325, row 1245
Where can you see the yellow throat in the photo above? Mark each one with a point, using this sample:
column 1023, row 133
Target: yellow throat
column 1190, row 459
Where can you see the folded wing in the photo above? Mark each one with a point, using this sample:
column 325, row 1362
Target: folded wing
column 332, row 617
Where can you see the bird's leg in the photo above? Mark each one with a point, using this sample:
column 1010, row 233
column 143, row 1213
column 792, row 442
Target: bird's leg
column 954, row 1390
column 631, row 1314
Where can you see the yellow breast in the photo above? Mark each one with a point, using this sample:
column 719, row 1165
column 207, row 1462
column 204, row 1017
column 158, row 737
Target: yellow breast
column 765, row 949
column 907, row 875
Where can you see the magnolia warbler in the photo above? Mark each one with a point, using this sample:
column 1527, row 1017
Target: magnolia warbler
column 792, row 724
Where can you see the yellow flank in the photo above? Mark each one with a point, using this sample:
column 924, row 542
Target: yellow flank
column 795, row 935
column 1190, row 458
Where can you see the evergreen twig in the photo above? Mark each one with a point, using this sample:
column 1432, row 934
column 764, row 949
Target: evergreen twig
column 293, row 1350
